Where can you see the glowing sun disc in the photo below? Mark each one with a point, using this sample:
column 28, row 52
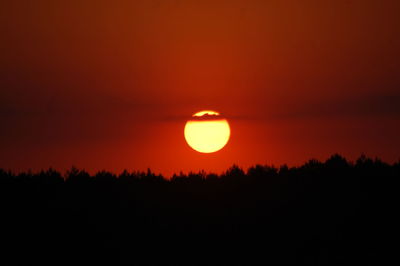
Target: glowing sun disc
column 207, row 131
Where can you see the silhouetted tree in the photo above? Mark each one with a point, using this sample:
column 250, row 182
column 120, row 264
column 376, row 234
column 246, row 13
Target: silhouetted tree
column 331, row 212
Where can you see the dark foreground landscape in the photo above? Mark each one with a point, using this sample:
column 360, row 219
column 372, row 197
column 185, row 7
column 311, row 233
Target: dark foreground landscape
column 332, row 212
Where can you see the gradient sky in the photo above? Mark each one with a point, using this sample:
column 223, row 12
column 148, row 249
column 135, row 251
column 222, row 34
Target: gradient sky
column 110, row 84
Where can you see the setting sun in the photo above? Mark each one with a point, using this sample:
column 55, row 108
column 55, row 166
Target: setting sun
column 207, row 132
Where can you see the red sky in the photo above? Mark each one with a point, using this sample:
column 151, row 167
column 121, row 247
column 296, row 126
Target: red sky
column 110, row 84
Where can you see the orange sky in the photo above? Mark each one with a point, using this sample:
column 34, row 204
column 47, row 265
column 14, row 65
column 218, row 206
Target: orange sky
column 109, row 85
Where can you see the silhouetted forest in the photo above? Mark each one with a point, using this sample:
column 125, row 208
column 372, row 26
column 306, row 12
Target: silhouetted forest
column 332, row 212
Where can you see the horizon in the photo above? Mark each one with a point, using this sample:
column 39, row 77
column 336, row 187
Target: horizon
column 64, row 173
column 316, row 214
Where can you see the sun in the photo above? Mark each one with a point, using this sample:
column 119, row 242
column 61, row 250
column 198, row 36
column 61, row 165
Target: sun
column 207, row 131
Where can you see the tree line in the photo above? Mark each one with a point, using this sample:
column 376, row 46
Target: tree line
column 328, row 212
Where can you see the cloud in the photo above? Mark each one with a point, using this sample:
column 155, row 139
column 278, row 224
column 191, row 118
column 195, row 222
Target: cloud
column 382, row 104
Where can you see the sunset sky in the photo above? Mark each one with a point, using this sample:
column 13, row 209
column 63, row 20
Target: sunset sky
column 110, row 84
